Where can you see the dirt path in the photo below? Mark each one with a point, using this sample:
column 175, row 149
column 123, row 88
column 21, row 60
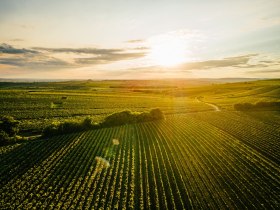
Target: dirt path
column 215, row 107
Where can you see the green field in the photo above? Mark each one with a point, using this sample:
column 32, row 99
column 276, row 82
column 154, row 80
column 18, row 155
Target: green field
column 203, row 155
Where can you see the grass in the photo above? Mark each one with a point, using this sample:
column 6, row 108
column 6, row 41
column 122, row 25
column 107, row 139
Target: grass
column 196, row 158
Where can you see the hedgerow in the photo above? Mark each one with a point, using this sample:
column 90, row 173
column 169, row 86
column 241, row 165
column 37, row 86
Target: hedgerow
column 257, row 106
column 115, row 119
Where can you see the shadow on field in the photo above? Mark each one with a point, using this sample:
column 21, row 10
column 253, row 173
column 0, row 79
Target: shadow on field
column 14, row 164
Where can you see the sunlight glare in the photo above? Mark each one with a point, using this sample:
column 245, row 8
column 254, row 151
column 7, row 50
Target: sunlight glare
column 168, row 51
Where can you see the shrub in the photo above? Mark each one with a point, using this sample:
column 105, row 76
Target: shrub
column 128, row 117
column 4, row 138
column 258, row 106
column 70, row 126
column 119, row 118
column 51, row 129
column 87, row 123
column 144, row 117
column 115, row 119
column 243, row 106
column 9, row 127
column 156, row 114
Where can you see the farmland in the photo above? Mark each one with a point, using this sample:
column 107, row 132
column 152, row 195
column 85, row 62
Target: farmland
column 196, row 158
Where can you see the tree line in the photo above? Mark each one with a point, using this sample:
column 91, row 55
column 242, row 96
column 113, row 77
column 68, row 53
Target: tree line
column 275, row 105
column 115, row 119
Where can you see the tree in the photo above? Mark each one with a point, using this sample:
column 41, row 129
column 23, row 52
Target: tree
column 3, row 137
column 87, row 123
column 9, row 127
column 156, row 114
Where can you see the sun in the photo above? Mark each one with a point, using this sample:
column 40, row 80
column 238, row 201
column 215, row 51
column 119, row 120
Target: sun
column 168, row 52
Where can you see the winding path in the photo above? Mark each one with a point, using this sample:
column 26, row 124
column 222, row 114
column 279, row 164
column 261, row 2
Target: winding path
column 215, row 107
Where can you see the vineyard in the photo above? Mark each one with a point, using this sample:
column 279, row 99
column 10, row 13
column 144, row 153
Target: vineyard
column 34, row 109
column 36, row 105
column 139, row 105
column 204, row 155
column 259, row 135
column 187, row 161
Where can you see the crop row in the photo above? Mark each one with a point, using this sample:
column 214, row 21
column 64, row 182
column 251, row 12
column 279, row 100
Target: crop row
column 179, row 163
column 258, row 135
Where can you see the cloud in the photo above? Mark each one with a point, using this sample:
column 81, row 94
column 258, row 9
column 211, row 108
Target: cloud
column 38, row 57
column 268, row 61
column 21, row 57
column 8, row 49
column 43, row 59
column 246, row 63
column 264, row 71
column 16, row 40
column 140, row 48
column 135, row 41
column 251, row 66
column 35, row 62
column 100, row 55
column 226, row 62
column 96, row 51
column 103, row 59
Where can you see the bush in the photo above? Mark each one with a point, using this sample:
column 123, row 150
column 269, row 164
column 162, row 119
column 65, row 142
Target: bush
column 144, row 117
column 69, row 127
column 62, row 128
column 9, row 127
column 115, row 119
column 267, row 104
column 119, row 118
column 156, row 114
column 51, row 129
column 128, row 117
column 4, row 138
column 257, row 106
column 87, row 123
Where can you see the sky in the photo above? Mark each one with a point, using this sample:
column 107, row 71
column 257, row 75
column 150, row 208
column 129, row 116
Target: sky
column 139, row 39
